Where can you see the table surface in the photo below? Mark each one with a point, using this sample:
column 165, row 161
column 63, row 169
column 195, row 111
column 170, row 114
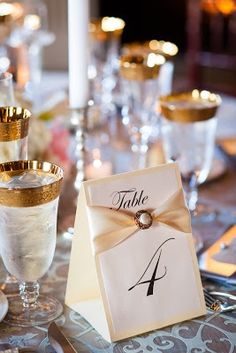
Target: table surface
column 211, row 333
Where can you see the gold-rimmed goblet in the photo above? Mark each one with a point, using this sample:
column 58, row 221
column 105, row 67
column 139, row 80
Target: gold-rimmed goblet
column 29, row 193
column 139, row 82
column 14, row 127
column 188, row 133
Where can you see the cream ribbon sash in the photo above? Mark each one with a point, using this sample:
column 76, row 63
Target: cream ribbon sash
column 110, row 227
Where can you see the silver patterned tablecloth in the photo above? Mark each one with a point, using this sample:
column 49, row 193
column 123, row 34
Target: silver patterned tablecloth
column 213, row 333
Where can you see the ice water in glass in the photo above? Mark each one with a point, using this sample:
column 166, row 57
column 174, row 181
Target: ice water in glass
column 28, row 219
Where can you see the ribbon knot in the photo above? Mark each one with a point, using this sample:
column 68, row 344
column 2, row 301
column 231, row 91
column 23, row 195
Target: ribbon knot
column 110, row 227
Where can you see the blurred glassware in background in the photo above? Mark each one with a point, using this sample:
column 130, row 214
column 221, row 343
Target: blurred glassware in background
column 6, row 89
column 165, row 48
column 140, row 91
column 165, row 78
column 26, row 42
column 188, row 136
column 97, row 146
column 10, row 16
column 105, row 36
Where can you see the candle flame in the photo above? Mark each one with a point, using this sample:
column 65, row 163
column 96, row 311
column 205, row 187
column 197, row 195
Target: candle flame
column 111, row 24
column 226, row 7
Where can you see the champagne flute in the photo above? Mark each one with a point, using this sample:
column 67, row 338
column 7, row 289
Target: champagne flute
column 29, row 194
column 188, row 131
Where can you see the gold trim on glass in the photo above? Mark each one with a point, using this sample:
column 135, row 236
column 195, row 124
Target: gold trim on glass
column 28, row 197
column 105, row 27
column 189, row 107
column 167, row 49
column 141, row 67
column 14, row 123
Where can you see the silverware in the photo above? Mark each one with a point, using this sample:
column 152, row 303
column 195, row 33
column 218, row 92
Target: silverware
column 216, row 304
column 224, row 294
column 58, row 340
column 219, row 278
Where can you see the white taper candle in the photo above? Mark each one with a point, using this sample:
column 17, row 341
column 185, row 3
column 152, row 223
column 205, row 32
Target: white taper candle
column 78, row 43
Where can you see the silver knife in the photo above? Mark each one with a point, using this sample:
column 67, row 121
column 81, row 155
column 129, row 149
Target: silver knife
column 58, row 340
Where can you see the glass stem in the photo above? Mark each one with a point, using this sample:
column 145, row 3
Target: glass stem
column 139, row 147
column 29, row 292
column 191, row 193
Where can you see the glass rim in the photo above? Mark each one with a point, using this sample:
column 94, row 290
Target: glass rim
column 30, row 196
column 208, row 104
column 138, row 67
column 166, row 48
column 14, row 123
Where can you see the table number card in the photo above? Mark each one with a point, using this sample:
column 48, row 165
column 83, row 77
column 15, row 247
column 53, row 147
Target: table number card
column 133, row 266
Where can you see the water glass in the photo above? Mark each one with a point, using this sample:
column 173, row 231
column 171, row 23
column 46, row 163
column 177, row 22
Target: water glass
column 188, row 132
column 29, row 193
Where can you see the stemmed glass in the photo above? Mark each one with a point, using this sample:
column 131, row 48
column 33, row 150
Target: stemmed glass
column 188, row 132
column 30, row 38
column 29, row 193
column 139, row 75
column 105, row 36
